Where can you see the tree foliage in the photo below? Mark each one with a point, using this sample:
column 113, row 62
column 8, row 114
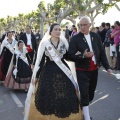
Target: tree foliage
column 60, row 9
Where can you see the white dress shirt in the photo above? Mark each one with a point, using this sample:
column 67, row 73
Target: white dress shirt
column 88, row 39
column 29, row 40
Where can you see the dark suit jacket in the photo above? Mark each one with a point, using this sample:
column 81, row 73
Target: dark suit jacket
column 67, row 34
column 102, row 34
column 34, row 44
column 33, row 41
column 79, row 43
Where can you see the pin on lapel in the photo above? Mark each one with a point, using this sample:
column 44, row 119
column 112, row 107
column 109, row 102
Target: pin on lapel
column 92, row 38
column 84, row 39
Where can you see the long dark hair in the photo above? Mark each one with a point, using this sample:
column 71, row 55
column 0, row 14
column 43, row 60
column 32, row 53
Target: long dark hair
column 8, row 32
column 52, row 26
column 20, row 41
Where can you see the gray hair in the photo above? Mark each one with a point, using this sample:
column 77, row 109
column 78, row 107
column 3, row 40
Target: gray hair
column 85, row 18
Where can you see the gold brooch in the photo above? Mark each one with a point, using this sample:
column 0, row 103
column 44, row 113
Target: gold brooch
column 49, row 48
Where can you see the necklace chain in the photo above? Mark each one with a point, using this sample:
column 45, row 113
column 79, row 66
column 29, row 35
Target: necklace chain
column 54, row 44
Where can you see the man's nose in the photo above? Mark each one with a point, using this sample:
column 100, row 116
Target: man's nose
column 82, row 26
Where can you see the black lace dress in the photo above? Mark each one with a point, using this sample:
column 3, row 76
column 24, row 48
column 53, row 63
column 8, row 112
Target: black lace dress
column 6, row 60
column 23, row 78
column 6, row 56
column 24, row 71
column 56, row 94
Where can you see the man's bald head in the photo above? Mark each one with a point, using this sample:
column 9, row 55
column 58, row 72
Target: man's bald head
column 85, row 18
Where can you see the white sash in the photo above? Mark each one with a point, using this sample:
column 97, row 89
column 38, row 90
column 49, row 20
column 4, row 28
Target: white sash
column 19, row 54
column 60, row 64
column 9, row 46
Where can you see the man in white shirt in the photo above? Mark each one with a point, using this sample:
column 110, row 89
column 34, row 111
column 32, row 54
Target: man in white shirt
column 30, row 42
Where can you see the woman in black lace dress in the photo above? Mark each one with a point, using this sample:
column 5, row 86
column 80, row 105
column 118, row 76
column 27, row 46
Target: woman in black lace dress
column 6, row 53
column 55, row 97
column 19, row 73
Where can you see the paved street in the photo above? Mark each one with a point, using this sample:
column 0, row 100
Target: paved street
column 9, row 109
column 106, row 105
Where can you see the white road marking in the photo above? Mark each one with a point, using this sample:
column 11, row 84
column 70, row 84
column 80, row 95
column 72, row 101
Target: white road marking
column 116, row 75
column 15, row 98
column 105, row 96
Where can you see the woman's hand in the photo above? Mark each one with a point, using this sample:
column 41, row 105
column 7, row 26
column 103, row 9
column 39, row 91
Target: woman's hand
column 78, row 53
column 32, row 66
column 15, row 66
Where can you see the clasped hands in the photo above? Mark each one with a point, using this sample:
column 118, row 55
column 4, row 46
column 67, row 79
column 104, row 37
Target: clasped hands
column 86, row 54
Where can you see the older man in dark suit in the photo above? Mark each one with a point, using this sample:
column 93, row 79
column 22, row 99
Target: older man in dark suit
column 87, row 51
column 30, row 42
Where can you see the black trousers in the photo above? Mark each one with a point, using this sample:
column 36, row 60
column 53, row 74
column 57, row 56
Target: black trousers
column 118, row 57
column 87, row 81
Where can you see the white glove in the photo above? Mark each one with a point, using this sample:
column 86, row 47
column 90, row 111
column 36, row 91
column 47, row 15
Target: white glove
column 15, row 72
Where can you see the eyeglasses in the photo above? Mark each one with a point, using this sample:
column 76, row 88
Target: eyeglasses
column 83, row 25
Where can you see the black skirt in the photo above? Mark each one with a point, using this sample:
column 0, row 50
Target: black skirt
column 24, row 72
column 6, row 61
column 55, row 93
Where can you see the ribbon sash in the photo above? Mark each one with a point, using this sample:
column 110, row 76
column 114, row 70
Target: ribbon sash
column 9, row 46
column 19, row 54
column 60, row 64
